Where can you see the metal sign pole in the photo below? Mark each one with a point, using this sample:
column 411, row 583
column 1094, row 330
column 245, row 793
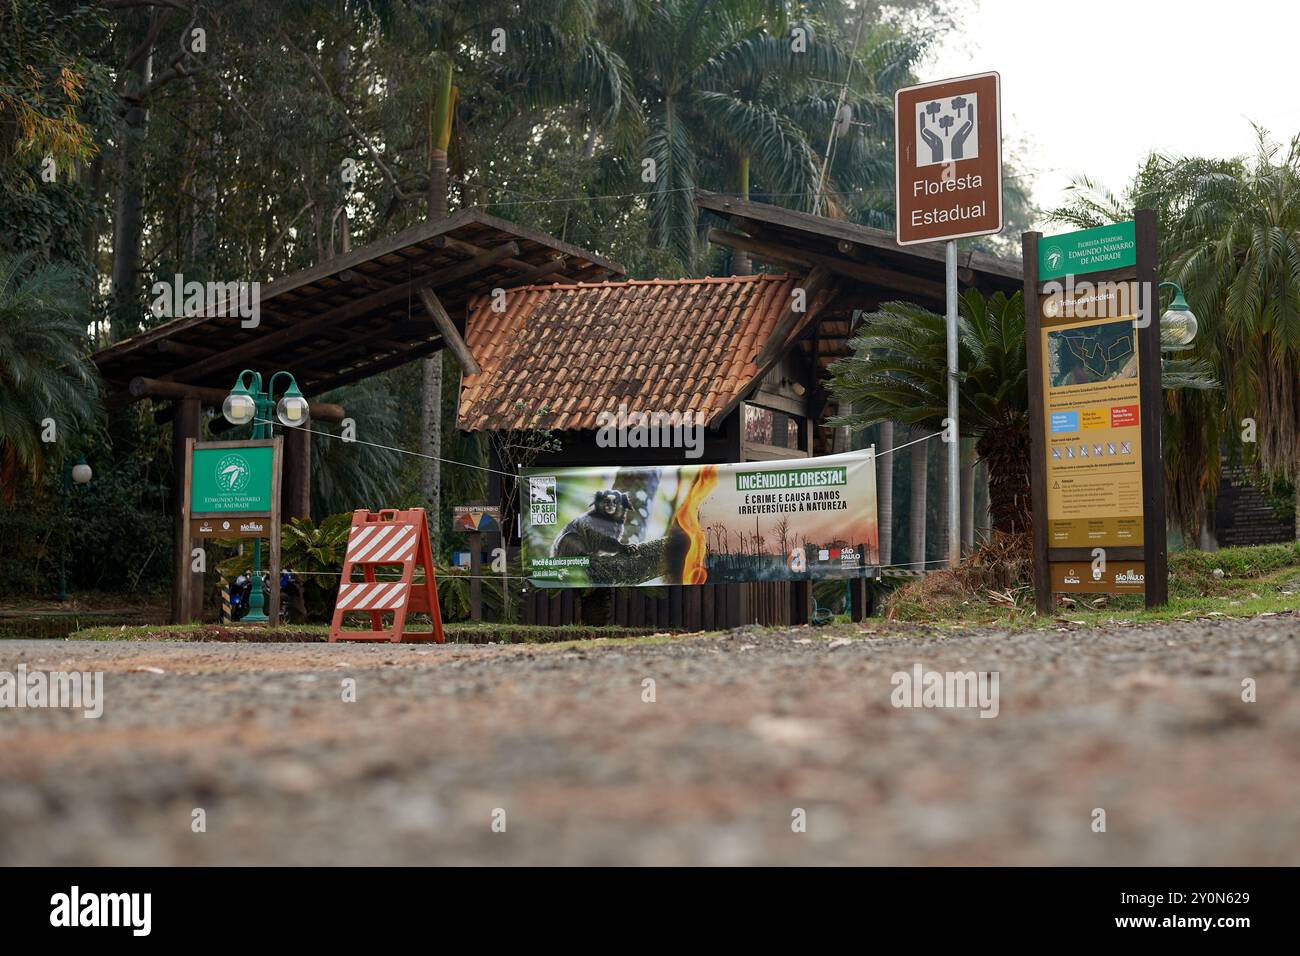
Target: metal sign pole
column 954, row 446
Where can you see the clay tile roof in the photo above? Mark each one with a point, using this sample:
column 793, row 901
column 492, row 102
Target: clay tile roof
column 579, row 350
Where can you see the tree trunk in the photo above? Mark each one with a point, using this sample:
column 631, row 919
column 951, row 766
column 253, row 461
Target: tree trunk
column 93, row 184
column 967, row 496
column 741, row 263
column 1007, row 451
column 437, row 198
column 440, row 118
column 431, row 390
column 982, row 522
column 431, row 445
column 944, row 525
column 920, row 474
column 885, row 491
column 128, row 217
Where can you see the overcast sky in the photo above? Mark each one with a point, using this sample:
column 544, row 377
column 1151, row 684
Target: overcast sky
column 1185, row 78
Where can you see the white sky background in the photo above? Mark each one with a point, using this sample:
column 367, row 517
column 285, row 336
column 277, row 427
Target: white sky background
column 1181, row 78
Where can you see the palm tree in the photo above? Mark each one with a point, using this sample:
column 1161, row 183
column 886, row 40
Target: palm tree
column 47, row 386
column 1194, row 418
column 726, row 93
column 1239, row 259
column 898, row 372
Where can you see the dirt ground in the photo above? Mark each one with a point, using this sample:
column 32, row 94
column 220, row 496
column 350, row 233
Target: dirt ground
column 745, row 730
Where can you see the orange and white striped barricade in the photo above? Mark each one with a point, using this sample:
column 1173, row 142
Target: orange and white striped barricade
column 388, row 539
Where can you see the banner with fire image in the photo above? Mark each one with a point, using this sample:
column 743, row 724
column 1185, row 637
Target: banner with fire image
column 697, row 524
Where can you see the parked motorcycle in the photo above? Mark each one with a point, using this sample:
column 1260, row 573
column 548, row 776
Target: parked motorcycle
column 242, row 587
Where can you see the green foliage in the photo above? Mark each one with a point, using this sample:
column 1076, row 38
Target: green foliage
column 897, row 371
column 365, row 473
column 42, row 82
column 44, row 374
column 115, row 531
column 453, row 595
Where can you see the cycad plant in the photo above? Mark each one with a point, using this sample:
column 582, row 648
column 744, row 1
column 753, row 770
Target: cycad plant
column 48, row 388
column 897, row 373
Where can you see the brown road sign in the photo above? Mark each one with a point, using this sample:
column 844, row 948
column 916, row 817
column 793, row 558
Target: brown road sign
column 948, row 159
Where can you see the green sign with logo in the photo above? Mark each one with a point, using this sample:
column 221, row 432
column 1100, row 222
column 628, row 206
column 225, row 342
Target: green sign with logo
column 231, row 479
column 1088, row 250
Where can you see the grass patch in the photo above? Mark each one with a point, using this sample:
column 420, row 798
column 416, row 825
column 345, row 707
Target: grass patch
column 465, row 632
column 1233, row 582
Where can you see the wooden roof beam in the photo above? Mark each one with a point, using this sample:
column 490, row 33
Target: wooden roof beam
column 153, row 388
column 305, row 327
column 860, row 271
column 818, row 281
column 340, row 379
column 464, row 357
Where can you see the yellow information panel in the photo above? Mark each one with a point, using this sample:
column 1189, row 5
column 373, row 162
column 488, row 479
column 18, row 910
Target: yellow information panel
column 1091, row 416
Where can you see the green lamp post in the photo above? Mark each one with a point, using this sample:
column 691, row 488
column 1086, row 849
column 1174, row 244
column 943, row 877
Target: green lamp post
column 247, row 402
column 78, row 474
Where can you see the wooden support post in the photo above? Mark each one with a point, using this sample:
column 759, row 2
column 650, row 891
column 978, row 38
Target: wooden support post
column 295, row 501
column 475, row 581
column 185, row 429
column 858, row 609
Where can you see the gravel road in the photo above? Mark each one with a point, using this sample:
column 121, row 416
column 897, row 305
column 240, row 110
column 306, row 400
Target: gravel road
column 745, row 729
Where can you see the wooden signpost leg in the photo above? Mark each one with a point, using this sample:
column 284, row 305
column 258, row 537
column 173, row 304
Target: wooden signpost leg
column 1154, row 533
column 1038, row 450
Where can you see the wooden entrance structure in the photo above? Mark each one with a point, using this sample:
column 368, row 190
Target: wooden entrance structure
column 356, row 315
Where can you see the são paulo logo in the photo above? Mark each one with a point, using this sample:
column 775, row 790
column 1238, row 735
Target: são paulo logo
column 233, row 472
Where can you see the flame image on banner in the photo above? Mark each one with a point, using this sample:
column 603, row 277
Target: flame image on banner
column 694, row 568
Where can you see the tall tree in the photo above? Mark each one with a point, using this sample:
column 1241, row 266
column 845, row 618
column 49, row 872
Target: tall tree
column 885, row 491
column 919, row 487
